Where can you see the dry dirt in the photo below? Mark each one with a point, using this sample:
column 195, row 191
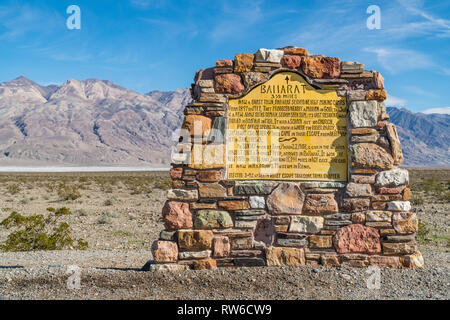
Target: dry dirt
column 118, row 214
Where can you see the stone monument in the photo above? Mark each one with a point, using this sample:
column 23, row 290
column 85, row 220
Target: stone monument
column 287, row 158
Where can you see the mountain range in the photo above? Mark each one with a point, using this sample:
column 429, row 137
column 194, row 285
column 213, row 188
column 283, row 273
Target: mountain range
column 96, row 122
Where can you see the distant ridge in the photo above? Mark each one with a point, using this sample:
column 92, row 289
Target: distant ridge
column 99, row 123
column 424, row 137
column 90, row 122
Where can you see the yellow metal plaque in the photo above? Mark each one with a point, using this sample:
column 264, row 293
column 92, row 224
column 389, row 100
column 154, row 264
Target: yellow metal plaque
column 285, row 129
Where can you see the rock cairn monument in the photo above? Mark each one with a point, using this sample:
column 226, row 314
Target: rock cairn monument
column 287, row 158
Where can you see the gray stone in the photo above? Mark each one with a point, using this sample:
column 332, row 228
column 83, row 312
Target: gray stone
column 399, row 206
column 194, row 254
column 292, row 242
column 205, row 83
column 246, row 224
column 369, row 138
column 306, row 224
column 363, row 113
column 400, row 238
column 208, row 219
column 249, row 212
column 378, row 216
column 351, row 67
column 325, row 184
column 168, row 267
column 356, row 95
column 269, row 55
column 338, row 216
column 358, row 190
column 257, row 202
column 249, row 262
column 393, row 177
column 181, row 194
column 167, row 235
column 337, row 223
column 256, row 188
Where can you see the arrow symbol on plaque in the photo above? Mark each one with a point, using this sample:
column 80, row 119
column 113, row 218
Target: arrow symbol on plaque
column 287, row 79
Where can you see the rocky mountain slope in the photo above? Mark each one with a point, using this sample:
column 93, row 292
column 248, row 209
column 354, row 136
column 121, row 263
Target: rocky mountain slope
column 96, row 122
column 91, row 122
column 424, row 137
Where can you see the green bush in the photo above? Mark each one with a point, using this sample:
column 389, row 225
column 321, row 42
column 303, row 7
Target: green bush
column 39, row 232
column 417, row 199
column 423, row 234
column 68, row 192
column 13, row 188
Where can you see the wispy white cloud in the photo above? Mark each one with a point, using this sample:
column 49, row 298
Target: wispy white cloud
column 392, row 101
column 420, row 91
column 143, row 4
column 394, row 60
column 18, row 21
column 445, row 110
column 430, row 24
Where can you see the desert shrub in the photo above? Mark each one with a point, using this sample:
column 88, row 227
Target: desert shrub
column 39, row 232
column 417, row 199
column 423, row 234
column 13, row 188
column 163, row 184
column 444, row 196
column 81, row 212
column 108, row 202
column 68, row 192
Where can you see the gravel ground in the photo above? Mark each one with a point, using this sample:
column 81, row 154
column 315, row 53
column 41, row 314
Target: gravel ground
column 43, row 275
column 120, row 236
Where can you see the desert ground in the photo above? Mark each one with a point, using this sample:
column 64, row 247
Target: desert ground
column 118, row 214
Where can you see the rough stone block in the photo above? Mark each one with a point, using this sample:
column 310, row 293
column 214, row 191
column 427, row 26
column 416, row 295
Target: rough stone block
column 394, row 141
column 197, row 125
column 354, row 190
column 212, row 219
column 243, row 62
column 228, row 83
column 320, row 204
column 378, row 216
column 164, row 251
column 182, row 194
column 399, row 248
column 234, row 205
column 186, row 255
column 385, row 261
column 269, row 55
column 405, row 222
column 306, row 224
column 205, row 264
column 286, row 198
column 357, row 238
column 412, row 261
column 321, row 67
column 195, row 239
column 363, row 114
column 291, row 61
column 399, row 206
column 212, row 190
column 370, row 155
column 257, row 202
column 176, row 215
column 320, row 242
column 276, row 256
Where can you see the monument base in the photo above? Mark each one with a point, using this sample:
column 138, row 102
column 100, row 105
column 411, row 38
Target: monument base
column 334, row 194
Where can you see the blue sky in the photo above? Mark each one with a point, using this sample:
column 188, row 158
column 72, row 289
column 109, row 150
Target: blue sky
column 149, row 45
